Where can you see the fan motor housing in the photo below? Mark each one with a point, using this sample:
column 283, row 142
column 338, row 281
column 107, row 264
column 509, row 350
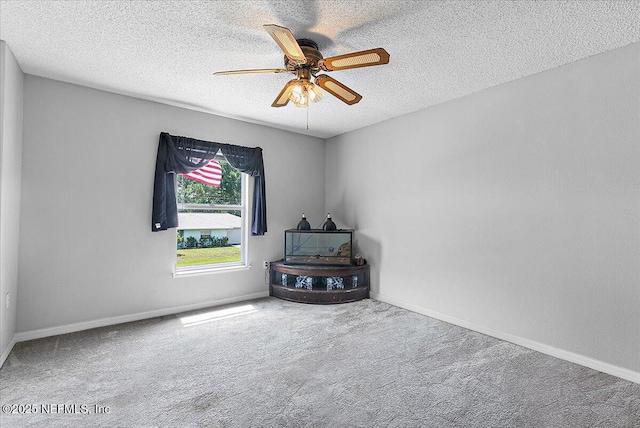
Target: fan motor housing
column 311, row 53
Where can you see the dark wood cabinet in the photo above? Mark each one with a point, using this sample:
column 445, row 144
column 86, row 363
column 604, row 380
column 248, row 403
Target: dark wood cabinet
column 318, row 283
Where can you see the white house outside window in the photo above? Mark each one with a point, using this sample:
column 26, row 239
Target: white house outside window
column 212, row 219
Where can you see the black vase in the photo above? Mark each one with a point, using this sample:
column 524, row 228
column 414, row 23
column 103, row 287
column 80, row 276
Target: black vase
column 329, row 224
column 303, row 224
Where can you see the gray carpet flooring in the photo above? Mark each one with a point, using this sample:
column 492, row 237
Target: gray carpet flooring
column 272, row 363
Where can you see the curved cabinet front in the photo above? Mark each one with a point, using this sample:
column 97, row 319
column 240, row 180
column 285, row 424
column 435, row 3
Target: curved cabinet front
column 319, row 284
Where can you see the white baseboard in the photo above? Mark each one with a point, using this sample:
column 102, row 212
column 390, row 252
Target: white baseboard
column 7, row 350
column 102, row 322
column 592, row 363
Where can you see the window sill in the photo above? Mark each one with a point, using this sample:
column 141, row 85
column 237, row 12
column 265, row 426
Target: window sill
column 207, row 270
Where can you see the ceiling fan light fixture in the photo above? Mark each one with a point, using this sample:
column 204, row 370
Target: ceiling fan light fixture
column 303, row 59
column 304, row 91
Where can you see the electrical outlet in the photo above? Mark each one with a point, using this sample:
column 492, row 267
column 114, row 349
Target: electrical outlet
column 6, row 302
column 265, row 264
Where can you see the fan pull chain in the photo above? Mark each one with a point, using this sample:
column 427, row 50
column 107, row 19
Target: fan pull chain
column 308, row 107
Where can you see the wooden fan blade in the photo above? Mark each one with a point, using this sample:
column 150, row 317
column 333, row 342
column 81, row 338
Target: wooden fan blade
column 283, row 97
column 253, row 71
column 284, row 38
column 367, row 58
column 337, row 89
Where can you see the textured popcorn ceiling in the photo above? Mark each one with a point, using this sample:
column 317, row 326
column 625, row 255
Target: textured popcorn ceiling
column 440, row 50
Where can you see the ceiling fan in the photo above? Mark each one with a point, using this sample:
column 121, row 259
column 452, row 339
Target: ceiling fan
column 303, row 59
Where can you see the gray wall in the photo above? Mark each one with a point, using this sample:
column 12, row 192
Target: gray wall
column 87, row 252
column 515, row 210
column 11, row 88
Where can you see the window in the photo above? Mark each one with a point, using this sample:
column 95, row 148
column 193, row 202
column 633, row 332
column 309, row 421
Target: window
column 212, row 221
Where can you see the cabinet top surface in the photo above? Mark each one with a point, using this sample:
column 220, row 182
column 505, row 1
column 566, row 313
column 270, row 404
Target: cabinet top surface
column 319, row 231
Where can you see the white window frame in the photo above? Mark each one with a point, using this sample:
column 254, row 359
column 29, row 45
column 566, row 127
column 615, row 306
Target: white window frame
column 244, row 235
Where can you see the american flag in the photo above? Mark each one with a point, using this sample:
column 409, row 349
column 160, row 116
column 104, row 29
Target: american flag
column 210, row 174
